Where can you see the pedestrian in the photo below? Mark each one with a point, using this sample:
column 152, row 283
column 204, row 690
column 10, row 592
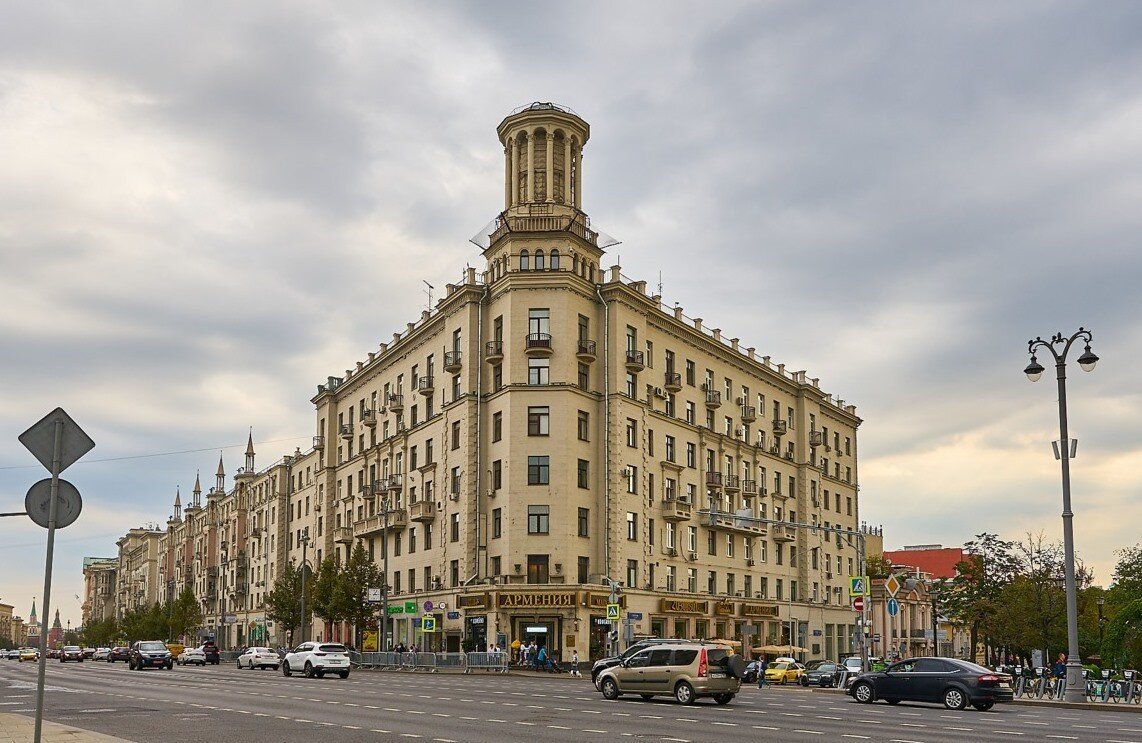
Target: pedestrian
column 575, row 664
column 541, row 658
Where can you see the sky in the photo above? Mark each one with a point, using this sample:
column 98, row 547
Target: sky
column 208, row 208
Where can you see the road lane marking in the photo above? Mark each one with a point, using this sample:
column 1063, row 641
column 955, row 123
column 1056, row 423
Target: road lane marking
column 851, row 735
column 813, row 732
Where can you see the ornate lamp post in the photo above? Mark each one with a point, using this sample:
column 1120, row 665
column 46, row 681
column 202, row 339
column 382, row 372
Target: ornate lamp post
column 1100, row 602
column 1058, row 347
column 304, row 539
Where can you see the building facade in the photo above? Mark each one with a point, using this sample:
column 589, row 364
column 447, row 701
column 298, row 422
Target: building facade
column 549, row 439
column 99, row 588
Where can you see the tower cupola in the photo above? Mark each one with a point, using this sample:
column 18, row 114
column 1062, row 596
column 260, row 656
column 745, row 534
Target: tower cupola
column 543, row 159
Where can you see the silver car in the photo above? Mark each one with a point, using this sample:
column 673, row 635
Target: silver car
column 685, row 671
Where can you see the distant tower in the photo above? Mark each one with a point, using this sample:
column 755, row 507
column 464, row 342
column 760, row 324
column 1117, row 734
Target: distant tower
column 55, row 635
column 220, row 477
column 250, row 453
column 176, row 516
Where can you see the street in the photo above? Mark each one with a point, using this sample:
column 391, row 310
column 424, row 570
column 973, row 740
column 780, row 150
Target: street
column 191, row 704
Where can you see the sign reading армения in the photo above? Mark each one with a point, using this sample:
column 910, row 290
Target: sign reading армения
column 562, row 600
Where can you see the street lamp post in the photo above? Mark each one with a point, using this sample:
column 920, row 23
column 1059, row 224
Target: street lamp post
column 1034, row 370
column 304, row 539
column 1100, row 602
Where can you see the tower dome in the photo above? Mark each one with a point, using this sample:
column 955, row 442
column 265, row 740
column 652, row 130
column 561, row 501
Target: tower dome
column 543, row 157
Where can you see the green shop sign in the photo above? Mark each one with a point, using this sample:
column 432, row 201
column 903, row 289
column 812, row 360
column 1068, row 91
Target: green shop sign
column 409, row 607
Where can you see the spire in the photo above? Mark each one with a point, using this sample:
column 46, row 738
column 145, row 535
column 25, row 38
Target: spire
column 56, row 624
column 178, row 502
column 250, row 452
column 220, row 476
column 32, row 616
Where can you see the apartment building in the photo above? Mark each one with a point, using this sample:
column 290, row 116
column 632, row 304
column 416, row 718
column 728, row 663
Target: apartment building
column 99, row 588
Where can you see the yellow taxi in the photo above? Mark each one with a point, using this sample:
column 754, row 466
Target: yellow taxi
column 29, row 654
column 176, row 648
column 783, row 672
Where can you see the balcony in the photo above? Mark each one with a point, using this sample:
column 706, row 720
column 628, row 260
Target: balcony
column 241, row 588
column 713, row 399
column 714, row 480
column 375, row 525
column 396, row 404
column 816, row 438
column 423, row 511
column 394, row 482
column 425, row 386
column 369, row 418
column 319, row 443
column 676, row 509
column 537, row 344
column 636, row 361
column 453, row 361
column 783, row 533
column 749, row 414
column 585, row 350
column 780, row 427
column 347, row 431
column 673, row 382
column 494, row 352
column 729, row 522
column 343, row 535
column 750, row 487
column 732, row 483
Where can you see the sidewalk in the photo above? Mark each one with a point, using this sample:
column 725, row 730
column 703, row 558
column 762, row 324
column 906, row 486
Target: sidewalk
column 22, row 728
column 1107, row 706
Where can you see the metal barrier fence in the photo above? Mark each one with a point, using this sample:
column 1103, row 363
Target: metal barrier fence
column 495, row 662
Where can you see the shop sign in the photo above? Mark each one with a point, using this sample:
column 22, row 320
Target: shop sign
column 410, row 607
column 724, row 609
column 763, row 611
column 682, row 606
column 475, row 620
column 563, row 600
column 396, row 609
column 600, row 600
column 473, row 601
column 453, row 615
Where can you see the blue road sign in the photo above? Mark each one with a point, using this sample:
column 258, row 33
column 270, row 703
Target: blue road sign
column 893, row 607
column 634, row 616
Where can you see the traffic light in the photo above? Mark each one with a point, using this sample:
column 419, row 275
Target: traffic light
column 614, row 636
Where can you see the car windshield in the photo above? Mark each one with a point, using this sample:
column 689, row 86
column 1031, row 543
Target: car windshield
column 779, row 666
column 151, row 647
column 973, row 667
column 333, row 649
column 821, row 665
column 70, row 648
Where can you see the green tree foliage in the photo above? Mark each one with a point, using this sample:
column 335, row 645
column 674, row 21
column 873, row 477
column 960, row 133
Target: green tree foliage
column 878, row 566
column 283, row 602
column 145, row 623
column 6, row 634
column 100, row 633
column 359, row 576
column 976, row 591
column 1123, row 610
column 185, row 615
column 325, row 598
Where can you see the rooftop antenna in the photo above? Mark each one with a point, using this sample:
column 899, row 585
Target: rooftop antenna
column 660, row 283
column 429, row 293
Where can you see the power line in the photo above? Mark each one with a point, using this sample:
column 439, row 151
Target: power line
column 162, row 454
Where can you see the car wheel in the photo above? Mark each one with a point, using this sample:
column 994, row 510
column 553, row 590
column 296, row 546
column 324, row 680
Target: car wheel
column 609, row 688
column 647, row 696
column 983, row 706
column 862, row 692
column 285, row 669
column 595, row 681
column 343, row 674
column 892, row 701
column 308, row 672
column 240, row 664
column 319, row 674
column 684, row 693
column 954, row 698
column 803, row 681
column 723, row 698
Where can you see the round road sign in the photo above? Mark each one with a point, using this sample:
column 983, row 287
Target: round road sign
column 858, row 603
column 38, row 502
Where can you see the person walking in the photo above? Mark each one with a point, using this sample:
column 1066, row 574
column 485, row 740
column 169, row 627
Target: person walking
column 575, row 664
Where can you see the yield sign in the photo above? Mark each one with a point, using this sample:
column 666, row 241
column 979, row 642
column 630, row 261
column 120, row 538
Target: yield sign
column 892, row 585
column 40, row 440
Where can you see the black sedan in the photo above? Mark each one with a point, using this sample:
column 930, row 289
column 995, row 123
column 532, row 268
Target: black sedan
column 821, row 673
column 955, row 683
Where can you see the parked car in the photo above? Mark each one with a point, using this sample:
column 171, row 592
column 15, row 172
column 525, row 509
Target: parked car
column 13, row 654
column 119, row 652
column 53, row 653
column 783, row 671
column 821, row 673
column 210, row 649
column 317, row 659
column 71, row 652
column 101, row 653
column 257, row 657
column 686, row 671
column 956, row 683
column 29, row 654
column 88, row 652
column 191, row 656
column 149, row 654
column 604, row 663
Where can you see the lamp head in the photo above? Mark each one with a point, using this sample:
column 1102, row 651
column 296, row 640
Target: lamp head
column 1034, row 370
column 1088, row 360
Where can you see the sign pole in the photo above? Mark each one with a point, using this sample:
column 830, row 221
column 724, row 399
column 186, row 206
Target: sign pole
column 57, row 451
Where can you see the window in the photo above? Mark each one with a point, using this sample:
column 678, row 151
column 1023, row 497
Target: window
column 584, row 426
column 524, row 260
column 497, row 377
column 691, row 455
column 584, row 522
column 455, row 484
column 537, row 569
column 538, row 421
column 691, row 539
column 428, row 457
column 632, row 432
column 669, row 448
column 671, row 535
column 428, row 536
column 632, row 573
column 631, row 385
column 711, row 542
column 497, row 475
column 632, row 479
column 539, row 321
column 538, row 470
column 690, row 412
column 539, row 262
column 689, row 372
column 538, row 519
column 671, row 578
column 497, row 426
column 584, row 474
column 712, row 581
column 692, row 580
column 649, row 442
column 496, row 565
column 455, row 435
column 497, row 523
column 454, row 527
column 538, row 371
column 632, row 526
column 584, row 375
column 584, row 569
column 411, row 544
column 455, row 386
column 584, row 328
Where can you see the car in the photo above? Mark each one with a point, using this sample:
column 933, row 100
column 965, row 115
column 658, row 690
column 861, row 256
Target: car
column 783, row 671
column 119, row 652
column 71, row 652
column 821, row 673
column 604, row 663
column 149, row 654
column 752, row 669
column 53, row 653
column 190, row 656
column 88, row 652
column 13, row 654
column 29, row 654
column 953, row 682
column 686, row 671
column 317, row 659
column 210, row 649
column 101, row 653
column 258, row 657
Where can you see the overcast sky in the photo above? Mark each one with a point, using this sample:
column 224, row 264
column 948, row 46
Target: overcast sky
column 207, row 208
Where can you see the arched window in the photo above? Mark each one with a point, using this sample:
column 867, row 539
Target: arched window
column 524, row 261
column 591, row 272
column 539, row 260
column 575, row 262
column 555, row 259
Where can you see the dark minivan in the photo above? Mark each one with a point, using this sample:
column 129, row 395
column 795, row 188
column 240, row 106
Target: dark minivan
column 953, row 682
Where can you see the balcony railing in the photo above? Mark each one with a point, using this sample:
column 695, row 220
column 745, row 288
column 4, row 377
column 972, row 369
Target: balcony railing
column 452, row 361
column 750, row 487
column 319, row 443
column 635, row 360
column 713, row 399
column 783, row 533
column 396, row 403
column 494, row 352
column 585, row 350
column 713, row 479
column 749, row 414
column 673, row 381
column 733, row 483
column 537, row 344
column 731, row 523
column 676, row 509
column 343, row 535
column 347, row 431
column 394, row 482
column 397, row 519
column 424, row 510
column 780, row 427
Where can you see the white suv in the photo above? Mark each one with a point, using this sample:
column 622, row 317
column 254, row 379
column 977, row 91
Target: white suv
column 317, row 659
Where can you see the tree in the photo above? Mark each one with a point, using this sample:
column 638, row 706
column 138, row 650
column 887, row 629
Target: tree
column 6, row 634
column 283, row 602
column 185, row 614
column 99, row 633
column 325, row 594
column 977, row 587
column 352, row 589
column 877, row 566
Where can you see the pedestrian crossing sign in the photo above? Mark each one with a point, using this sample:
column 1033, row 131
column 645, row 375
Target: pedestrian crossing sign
column 428, row 624
column 858, row 585
column 613, row 612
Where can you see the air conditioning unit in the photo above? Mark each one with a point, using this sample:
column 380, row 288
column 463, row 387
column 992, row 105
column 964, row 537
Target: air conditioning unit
column 692, row 557
column 764, row 490
column 439, row 506
column 829, row 574
column 738, row 433
column 671, row 551
column 453, row 496
column 740, row 401
column 317, row 506
column 749, row 562
column 659, row 393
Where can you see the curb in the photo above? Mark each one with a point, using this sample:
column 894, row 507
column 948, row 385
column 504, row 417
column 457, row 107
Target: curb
column 1123, row 707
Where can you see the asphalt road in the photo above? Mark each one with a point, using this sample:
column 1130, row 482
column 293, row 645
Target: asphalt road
column 192, row 705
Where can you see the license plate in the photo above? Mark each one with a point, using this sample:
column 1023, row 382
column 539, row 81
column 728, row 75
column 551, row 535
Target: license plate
column 716, row 675
column 1004, row 686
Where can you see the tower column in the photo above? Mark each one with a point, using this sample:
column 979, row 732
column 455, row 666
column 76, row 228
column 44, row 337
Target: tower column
column 566, row 169
column 507, row 177
column 579, row 178
column 515, row 172
column 530, row 165
column 550, row 141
